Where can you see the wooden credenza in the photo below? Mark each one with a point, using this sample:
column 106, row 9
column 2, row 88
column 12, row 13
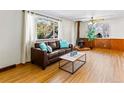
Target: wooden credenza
column 117, row 44
column 102, row 43
column 108, row 43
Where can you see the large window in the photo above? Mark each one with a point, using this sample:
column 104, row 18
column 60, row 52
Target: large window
column 46, row 29
column 101, row 29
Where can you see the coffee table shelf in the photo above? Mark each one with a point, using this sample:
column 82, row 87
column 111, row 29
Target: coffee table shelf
column 72, row 64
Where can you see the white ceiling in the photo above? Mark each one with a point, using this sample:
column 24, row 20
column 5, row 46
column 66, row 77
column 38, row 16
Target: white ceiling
column 83, row 15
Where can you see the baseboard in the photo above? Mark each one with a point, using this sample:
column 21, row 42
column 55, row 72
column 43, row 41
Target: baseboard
column 22, row 63
column 11, row 66
column 7, row 68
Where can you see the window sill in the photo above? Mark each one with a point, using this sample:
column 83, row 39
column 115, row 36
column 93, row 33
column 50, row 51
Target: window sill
column 51, row 39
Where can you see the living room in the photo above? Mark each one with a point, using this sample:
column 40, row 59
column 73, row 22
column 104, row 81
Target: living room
column 89, row 43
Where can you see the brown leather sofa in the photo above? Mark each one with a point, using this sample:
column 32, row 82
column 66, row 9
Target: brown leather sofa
column 43, row 58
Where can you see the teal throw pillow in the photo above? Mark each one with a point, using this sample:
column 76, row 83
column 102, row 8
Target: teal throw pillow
column 64, row 44
column 43, row 46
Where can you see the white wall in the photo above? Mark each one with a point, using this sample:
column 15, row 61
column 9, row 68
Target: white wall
column 10, row 37
column 116, row 28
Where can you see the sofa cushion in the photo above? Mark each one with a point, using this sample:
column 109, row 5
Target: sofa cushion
column 61, row 51
column 53, row 54
column 67, row 50
column 57, row 44
column 53, row 45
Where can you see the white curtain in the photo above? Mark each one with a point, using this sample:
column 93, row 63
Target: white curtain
column 29, row 36
column 59, row 30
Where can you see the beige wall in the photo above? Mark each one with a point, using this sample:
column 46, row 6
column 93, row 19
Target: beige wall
column 83, row 30
column 116, row 28
column 10, row 37
column 68, row 30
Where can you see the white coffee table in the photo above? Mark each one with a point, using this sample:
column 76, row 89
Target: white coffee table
column 72, row 63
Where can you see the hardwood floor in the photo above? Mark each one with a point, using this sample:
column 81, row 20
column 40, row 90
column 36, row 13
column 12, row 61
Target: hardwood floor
column 102, row 66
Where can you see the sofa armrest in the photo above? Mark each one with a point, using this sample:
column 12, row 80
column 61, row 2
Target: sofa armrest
column 71, row 46
column 39, row 57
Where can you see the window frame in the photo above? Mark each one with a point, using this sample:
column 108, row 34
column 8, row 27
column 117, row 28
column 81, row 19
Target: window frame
column 49, row 19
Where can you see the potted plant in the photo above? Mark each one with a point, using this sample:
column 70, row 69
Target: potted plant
column 91, row 36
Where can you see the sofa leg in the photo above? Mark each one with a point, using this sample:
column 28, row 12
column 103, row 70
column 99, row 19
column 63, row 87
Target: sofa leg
column 32, row 62
column 43, row 67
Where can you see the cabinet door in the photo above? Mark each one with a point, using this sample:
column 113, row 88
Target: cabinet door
column 117, row 44
column 102, row 43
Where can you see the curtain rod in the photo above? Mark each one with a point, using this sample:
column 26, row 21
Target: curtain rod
column 42, row 15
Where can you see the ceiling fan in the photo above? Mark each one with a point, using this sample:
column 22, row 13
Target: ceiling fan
column 92, row 20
